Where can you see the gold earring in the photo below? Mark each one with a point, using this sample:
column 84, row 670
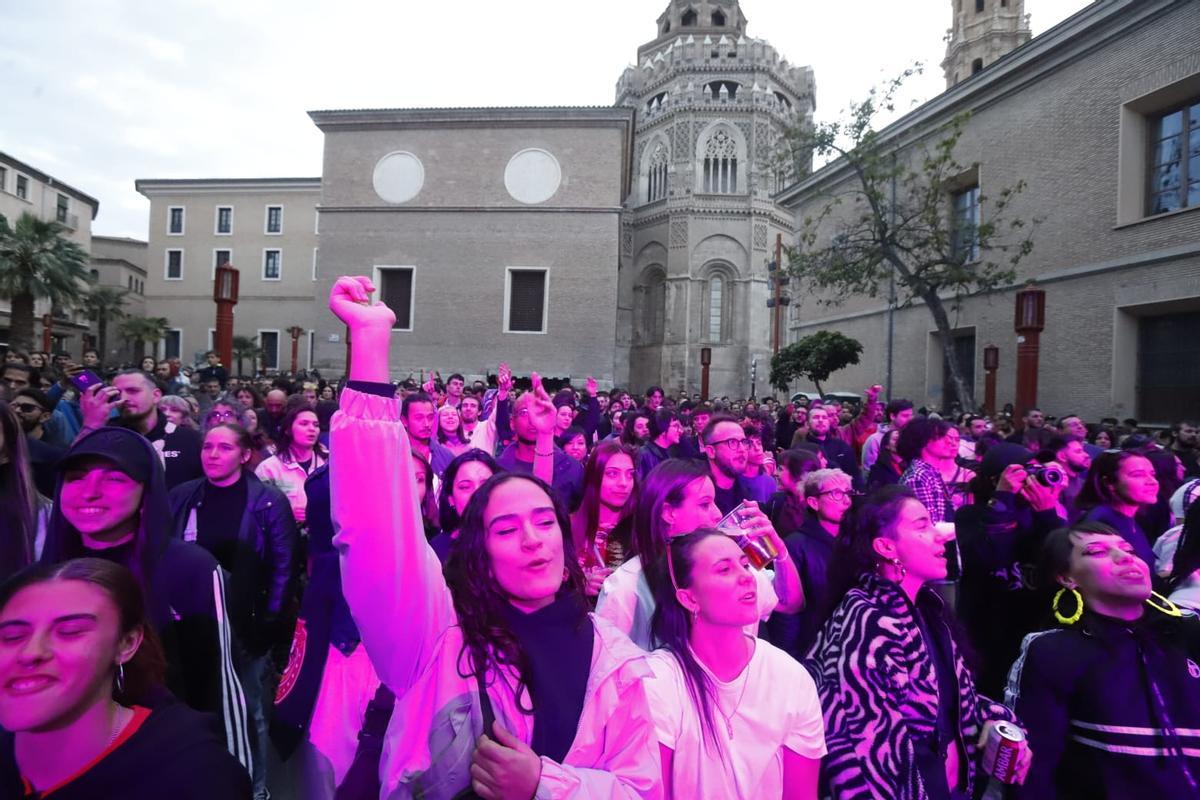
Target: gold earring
column 1058, row 615
column 1167, row 607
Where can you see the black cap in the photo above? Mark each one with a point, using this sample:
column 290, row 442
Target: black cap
column 1001, row 456
column 127, row 450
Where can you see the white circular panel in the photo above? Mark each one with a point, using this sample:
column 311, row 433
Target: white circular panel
column 532, row 176
column 398, row 177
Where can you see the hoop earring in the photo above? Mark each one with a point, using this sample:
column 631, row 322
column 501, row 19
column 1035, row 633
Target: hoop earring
column 1058, row 615
column 120, row 679
column 1167, row 607
column 897, row 563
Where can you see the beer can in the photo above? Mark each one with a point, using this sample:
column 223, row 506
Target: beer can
column 1001, row 751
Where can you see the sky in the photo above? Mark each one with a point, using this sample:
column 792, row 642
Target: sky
column 99, row 93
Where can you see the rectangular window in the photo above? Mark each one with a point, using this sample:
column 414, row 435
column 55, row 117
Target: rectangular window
column 3, row 179
column 224, row 220
column 1175, row 159
column 272, row 264
column 22, row 187
column 174, row 269
column 173, row 343
column 63, row 209
column 274, row 219
column 964, row 224
column 525, row 301
column 269, row 342
column 396, row 289
column 175, row 221
column 221, row 257
column 316, row 250
column 1168, row 384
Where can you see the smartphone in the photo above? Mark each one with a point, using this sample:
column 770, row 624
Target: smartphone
column 85, row 380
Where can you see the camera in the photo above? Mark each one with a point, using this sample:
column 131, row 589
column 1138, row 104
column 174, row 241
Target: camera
column 1047, row 476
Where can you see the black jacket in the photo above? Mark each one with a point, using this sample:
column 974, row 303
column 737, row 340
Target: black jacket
column 262, row 580
column 840, row 456
column 811, row 547
column 177, row 447
column 172, row 754
column 185, row 601
column 1112, row 708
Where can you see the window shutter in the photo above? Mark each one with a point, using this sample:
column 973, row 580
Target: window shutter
column 527, row 297
column 397, row 293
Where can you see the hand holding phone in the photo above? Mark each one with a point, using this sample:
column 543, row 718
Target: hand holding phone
column 97, row 404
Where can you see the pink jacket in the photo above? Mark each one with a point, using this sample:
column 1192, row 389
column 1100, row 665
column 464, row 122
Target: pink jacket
column 393, row 582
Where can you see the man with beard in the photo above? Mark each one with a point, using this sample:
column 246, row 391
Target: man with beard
column 33, row 409
column 837, row 453
column 1184, row 436
column 727, row 448
column 134, row 396
column 418, row 414
column 518, row 456
column 271, row 416
column 1068, row 452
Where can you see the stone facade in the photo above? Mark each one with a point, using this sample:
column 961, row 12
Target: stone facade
column 26, row 189
column 461, row 207
column 1072, row 114
column 983, row 32
column 119, row 263
column 711, row 105
column 193, row 222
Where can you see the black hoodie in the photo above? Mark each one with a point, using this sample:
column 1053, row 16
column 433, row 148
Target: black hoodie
column 185, row 596
column 172, row 753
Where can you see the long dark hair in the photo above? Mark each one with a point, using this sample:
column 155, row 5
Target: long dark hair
column 448, row 518
column 18, row 497
column 1099, row 488
column 283, row 447
column 854, row 554
column 665, row 485
column 145, row 671
column 1187, row 555
column 429, row 510
column 672, row 623
column 478, row 599
column 593, row 476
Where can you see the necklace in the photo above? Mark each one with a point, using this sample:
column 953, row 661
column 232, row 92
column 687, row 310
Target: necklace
column 118, row 726
column 741, row 696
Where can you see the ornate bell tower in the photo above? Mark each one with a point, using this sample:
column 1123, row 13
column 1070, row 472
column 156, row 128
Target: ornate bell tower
column 712, row 105
column 984, row 31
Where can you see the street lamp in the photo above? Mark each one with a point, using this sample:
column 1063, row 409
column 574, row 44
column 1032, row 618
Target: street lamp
column 1029, row 322
column 705, row 362
column 225, row 295
column 296, row 331
column 991, row 363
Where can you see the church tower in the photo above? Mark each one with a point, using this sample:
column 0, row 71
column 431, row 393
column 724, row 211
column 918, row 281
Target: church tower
column 711, row 106
column 984, row 31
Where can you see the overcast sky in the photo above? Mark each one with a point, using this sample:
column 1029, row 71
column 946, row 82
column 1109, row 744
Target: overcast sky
column 99, row 93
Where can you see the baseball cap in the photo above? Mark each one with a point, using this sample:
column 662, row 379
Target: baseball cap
column 127, row 450
column 1001, row 456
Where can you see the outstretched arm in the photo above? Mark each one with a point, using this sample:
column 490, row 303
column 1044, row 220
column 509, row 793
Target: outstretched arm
column 391, row 577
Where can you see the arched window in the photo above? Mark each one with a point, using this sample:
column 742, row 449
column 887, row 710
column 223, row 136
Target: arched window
column 656, row 188
column 654, row 313
column 718, row 19
column 730, row 88
column 977, row 66
column 720, row 163
column 689, row 18
column 716, row 308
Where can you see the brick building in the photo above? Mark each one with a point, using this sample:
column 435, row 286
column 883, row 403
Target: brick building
column 1100, row 116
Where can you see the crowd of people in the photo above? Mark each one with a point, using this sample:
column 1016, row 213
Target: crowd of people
column 217, row 586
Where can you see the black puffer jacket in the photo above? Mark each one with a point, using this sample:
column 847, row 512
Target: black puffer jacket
column 259, row 587
column 1112, row 708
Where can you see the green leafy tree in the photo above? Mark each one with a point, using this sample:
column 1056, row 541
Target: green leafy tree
column 815, row 357
column 38, row 262
column 245, row 347
column 104, row 304
column 144, row 330
column 890, row 226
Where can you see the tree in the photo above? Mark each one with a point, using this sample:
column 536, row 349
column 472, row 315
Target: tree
column 38, row 262
column 104, row 304
column 143, row 331
column 893, row 225
column 245, row 347
column 815, row 357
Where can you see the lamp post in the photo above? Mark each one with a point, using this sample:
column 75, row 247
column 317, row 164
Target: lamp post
column 991, row 363
column 47, row 332
column 225, row 295
column 296, row 331
column 1029, row 322
column 705, row 362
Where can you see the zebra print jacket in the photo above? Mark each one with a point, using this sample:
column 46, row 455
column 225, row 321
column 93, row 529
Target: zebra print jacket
column 878, row 686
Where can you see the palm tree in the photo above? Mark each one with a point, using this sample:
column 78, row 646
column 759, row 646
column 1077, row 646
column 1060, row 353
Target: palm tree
column 104, row 304
column 245, row 347
column 143, row 331
column 36, row 262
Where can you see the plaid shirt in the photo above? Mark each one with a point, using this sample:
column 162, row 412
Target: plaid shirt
column 927, row 484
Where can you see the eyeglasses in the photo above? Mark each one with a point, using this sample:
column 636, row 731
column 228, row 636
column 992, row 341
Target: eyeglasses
column 26, row 408
column 734, row 443
column 838, row 494
column 222, row 414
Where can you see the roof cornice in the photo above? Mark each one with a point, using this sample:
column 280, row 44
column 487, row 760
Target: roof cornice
column 549, row 116
column 158, row 186
column 51, row 181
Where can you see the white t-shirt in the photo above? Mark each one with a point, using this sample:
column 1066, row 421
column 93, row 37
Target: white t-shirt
column 773, row 704
column 626, row 601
